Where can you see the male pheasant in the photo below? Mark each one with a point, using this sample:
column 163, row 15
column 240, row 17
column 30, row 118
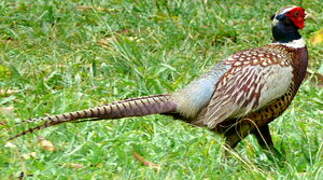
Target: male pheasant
column 238, row 96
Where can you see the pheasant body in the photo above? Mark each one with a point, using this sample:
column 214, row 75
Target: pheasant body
column 258, row 87
column 238, row 96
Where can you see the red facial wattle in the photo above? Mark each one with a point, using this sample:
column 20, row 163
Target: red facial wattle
column 297, row 16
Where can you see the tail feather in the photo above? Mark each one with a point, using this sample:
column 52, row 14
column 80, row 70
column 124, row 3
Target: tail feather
column 156, row 104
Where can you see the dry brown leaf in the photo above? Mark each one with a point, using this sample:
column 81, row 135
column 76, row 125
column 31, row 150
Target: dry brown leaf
column 46, row 145
column 75, row 165
column 86, row 8
column 7, row 110
column 8, row 40
column 317, row 37
column 123, row 31
column 29, row 155
column 105, row 42
column 7, row 92
column 145, row 162
column 108, row 40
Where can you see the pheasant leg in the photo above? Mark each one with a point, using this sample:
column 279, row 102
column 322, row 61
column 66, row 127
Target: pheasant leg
column 263, row 137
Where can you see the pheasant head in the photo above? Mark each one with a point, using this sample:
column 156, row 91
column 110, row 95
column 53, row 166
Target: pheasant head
column 286, row 23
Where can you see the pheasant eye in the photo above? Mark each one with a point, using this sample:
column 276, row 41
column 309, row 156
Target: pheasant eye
column 296, row 13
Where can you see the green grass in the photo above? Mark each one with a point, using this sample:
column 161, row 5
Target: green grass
column 52, row 53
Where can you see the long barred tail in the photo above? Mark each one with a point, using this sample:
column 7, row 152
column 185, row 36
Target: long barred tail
column 140, row 106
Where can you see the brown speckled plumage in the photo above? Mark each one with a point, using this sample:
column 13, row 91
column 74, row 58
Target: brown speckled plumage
column 242, row 87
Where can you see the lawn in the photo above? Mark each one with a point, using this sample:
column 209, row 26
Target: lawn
column 61, row 56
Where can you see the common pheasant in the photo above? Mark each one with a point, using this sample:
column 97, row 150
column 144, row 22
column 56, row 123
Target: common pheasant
column 237, row 97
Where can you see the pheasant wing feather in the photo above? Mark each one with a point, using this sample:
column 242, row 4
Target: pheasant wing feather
column 254, row 80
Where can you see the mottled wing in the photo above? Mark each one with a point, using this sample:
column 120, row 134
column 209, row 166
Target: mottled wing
column 256, row 77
